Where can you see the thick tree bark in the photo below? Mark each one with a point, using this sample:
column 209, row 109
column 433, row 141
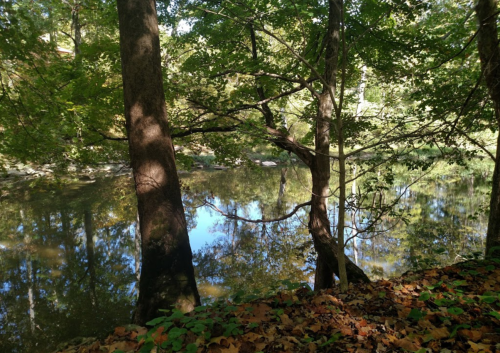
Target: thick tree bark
column 489, row 53
column 167, row 276
column 319, row 224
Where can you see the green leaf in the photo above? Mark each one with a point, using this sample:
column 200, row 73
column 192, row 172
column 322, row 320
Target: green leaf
column 156, row 321
column 456, row 328
column 176, row 315
column 416, row 314
column 230, row 329
column 176, row 332
column 332, row 339
column 176, row 345
column 455, row 311
column 444, row 302
column 434, row 286
column 494, row 314
column 191, row 348
column 488, row 298
column 147, row 347
column 424, row 296
column 200, row 308
column 198, row 328
column 187, row 319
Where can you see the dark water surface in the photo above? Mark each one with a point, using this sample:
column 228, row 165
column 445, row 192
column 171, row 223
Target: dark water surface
column 69, row 258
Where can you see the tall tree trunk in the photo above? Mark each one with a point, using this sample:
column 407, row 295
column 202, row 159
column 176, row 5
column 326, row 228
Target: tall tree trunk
column 167, row 277
column 319, row 224
column 354, row 232
column 489, row 53
column 361, row 100
column 329, row 251
column 77, row 27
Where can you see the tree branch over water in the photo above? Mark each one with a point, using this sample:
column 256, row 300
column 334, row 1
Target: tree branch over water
column 238, row 218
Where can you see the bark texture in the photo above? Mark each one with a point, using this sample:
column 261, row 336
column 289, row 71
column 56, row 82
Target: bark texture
column 167, row 276
column 489, row 53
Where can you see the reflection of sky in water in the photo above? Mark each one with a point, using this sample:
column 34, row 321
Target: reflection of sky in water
column 203, row 232
column 114, row 228
column 206, row 220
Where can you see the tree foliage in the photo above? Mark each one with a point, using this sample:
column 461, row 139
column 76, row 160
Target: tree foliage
column 254, row 75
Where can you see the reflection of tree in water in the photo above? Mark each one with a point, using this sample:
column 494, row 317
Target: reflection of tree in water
column 51, row 242
column 252, row 257
column 445, row 201
column 445, row 224
column 65, row 264
column 255, row 256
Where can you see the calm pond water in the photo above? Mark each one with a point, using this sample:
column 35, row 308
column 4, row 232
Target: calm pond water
column 69, row 259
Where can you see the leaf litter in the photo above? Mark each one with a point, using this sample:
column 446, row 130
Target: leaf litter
column 451, row 309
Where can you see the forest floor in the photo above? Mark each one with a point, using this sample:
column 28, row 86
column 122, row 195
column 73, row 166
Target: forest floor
column 451, row 309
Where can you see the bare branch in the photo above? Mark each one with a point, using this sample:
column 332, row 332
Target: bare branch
column 238, row 218
column 205, row 130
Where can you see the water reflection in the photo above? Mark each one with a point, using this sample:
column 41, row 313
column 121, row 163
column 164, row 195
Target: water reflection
column 62, row 251
column 69, row 256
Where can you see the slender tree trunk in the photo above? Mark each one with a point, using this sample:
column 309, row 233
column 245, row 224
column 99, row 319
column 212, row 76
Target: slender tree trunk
column 493, row 232
column 361, row 100
column 489, row 53
column 90, row 256
column 167, row 277
column 77, row 27
column 29, row 273
column 281, row 192
column 354, row 232
column 329, row 251
column 137, row 255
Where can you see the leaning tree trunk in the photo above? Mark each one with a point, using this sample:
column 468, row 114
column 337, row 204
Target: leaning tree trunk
column 489, row 53
column 167, row 276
